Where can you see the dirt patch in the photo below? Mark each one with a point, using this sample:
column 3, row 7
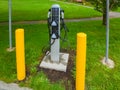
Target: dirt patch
column 66, row 77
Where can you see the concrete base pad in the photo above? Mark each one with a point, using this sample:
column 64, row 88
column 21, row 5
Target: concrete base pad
column 110, row 63
column 60, row 66
column 10, row 49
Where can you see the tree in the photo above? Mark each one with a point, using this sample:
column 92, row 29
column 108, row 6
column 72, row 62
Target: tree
column 100, row 5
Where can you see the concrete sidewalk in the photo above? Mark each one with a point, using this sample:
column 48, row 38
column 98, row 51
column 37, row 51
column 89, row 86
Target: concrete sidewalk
column 11, row 86
column 112, row 15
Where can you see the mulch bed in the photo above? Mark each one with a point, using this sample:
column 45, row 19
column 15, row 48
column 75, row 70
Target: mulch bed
column 66, row 77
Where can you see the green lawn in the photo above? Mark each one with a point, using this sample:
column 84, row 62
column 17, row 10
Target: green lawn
column 118, row 10
column 38, row 9
column 98, row 77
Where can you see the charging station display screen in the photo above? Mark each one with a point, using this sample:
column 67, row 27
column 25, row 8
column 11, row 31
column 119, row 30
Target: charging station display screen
column 55, row 14
column 55, row 21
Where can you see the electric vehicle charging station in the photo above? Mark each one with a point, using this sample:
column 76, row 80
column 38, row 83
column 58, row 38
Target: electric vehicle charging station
column 54, row 59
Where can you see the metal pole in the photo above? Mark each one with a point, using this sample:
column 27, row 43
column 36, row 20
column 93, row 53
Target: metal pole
column 107, row 30
column 10, row 25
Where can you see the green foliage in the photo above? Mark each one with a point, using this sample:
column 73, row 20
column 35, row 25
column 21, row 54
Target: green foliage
column 68, row 0
column 100, row 5
column 118, row 10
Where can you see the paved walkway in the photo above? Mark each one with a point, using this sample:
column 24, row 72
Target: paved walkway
column 112, row 15
column 11, row 86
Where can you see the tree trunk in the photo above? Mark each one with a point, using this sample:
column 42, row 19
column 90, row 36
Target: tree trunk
column 104, row 13
column 104, row 19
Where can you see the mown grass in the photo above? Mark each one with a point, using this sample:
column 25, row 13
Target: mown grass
column 38, row 9
column 118, row 10
column 98, row 77
column 33, row 49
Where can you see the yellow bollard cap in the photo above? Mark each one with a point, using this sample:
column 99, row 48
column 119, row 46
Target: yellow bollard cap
column 19, row 30
column 81, row 34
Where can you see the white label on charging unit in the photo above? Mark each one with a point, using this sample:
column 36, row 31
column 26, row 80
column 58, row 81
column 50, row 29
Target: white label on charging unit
column 54, row 36
column 54, row 23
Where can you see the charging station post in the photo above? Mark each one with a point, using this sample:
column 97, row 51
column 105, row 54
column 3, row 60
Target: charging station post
column 55, row 25
column 55, row 59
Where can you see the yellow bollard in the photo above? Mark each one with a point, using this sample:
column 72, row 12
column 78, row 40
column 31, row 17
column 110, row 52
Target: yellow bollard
column 20, row 55
column 81, row 61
